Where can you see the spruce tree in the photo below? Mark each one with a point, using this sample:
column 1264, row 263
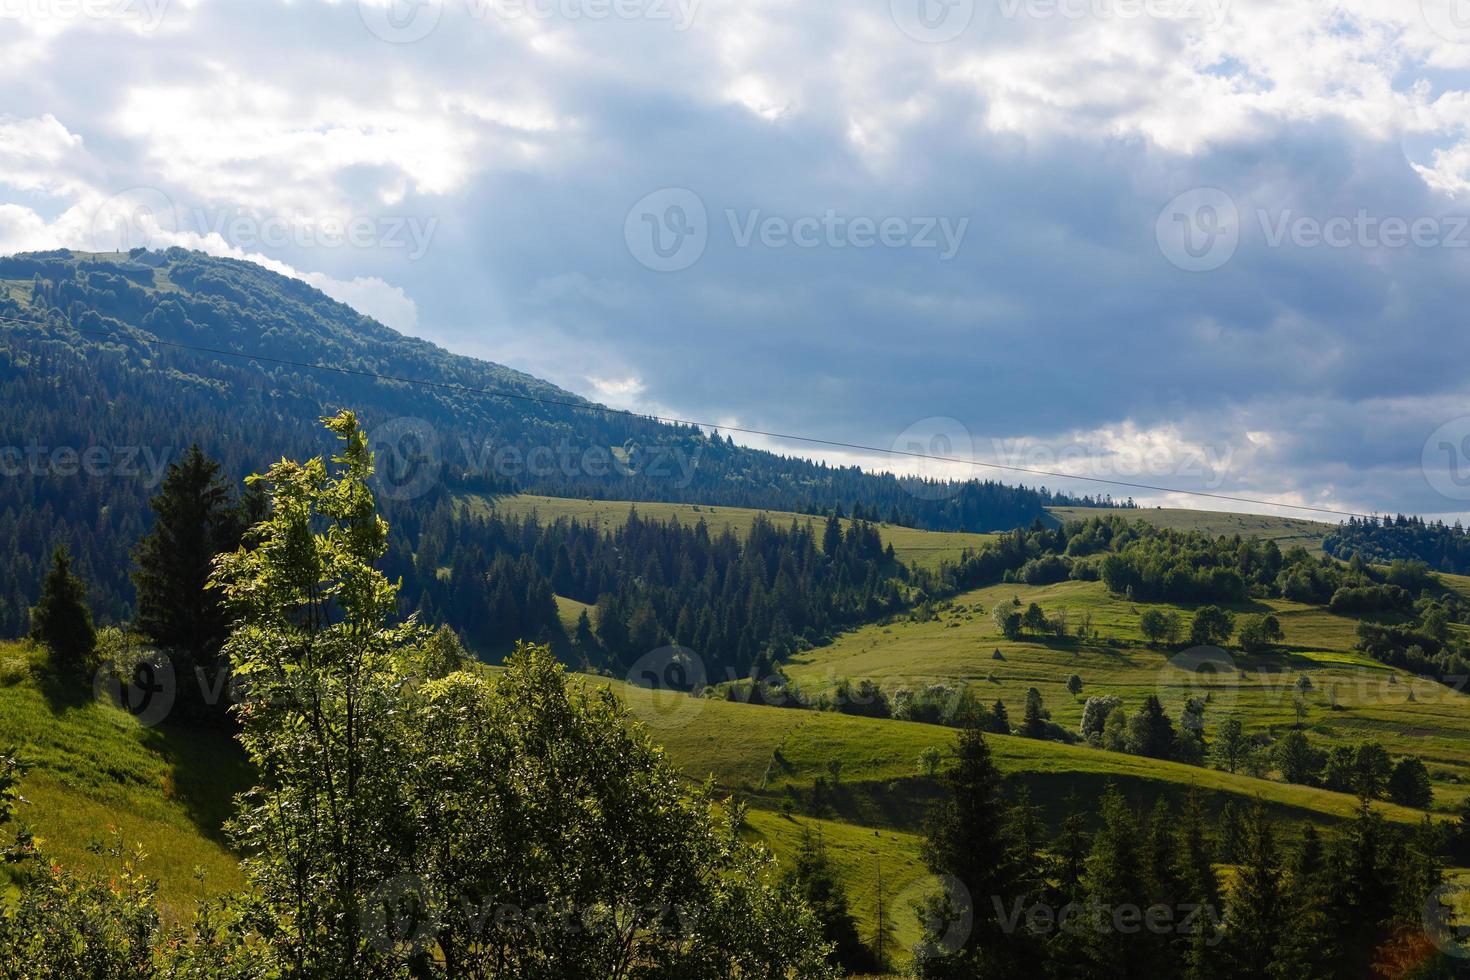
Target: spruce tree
column 196, row 518
column 1033, row 724
column 970, row 839
column 61, row 620
column 1118, row 880
column 1257, row 902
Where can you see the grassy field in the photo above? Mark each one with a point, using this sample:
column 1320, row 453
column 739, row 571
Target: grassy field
column 769, row 755
column 1285, row 531
column 863, row 857
column 927, row 548
column 91, row 767
column 1410, row 716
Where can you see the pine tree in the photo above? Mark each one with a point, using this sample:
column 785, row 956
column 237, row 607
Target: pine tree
column 969, row 839
column 1000, row 720
column 1257, row 903
column 196, row 518
column 1033, row 725
column 1117, row 878
column 1199, row 888
column 61, row 620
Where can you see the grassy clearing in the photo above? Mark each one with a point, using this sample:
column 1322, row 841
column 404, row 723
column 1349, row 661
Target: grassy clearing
column 1409, row 715
column 772, row 754
column 1285, row 531
column 860, row 855
column 92, row 767
column 926, row 548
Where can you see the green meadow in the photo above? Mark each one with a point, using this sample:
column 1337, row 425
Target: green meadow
column 927, row 548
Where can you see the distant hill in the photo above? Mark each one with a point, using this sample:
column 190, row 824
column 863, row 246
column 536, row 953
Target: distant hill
column 85, row 391
column 1443, row 547
column 1285, row 531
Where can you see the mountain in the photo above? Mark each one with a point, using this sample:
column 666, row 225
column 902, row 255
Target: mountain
column 113, row 364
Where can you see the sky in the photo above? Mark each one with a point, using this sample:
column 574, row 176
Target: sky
column 1212, row 245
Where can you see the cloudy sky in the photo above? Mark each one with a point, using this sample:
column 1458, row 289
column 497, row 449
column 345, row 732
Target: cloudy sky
column 1208, row 244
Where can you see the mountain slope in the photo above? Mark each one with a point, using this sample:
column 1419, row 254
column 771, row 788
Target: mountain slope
column 99, row 390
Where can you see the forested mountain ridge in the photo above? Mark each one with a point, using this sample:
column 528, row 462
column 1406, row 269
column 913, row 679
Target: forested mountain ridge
column 93, row 408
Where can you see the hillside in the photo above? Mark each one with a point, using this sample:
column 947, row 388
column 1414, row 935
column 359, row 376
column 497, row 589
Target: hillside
column 92, row 769
column 1285, row 531
column 102, row 377
column 93, row 766
column 958, row 647
column 926, row 548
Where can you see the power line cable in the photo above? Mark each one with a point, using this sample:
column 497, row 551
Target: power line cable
column 668, row 420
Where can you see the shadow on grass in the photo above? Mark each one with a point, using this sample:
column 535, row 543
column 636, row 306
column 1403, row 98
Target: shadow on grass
column 62, row 691
column 207, row 768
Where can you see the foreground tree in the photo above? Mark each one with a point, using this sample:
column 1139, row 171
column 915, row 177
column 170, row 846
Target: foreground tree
column 461, row 826
column 61, row 620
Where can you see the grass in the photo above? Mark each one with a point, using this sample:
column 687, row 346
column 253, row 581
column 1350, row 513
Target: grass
column 768, row 755
column 926, row 548
column 90, row 766
column 861, row 856
column 1285, row 531
column 959, row 648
